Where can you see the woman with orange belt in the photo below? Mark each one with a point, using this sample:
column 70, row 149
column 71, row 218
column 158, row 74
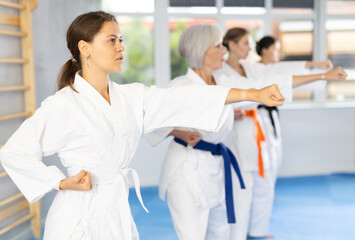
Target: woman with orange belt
column 247, row 140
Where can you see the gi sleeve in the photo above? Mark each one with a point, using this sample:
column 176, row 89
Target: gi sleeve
column 265, row 75
column 158, row 135
column 41, row 135
column 190, row 106
column 291, row 67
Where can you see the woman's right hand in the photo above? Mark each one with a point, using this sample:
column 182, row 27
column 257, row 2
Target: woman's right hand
column 79, row 182
column 336, row 74
column 239, row 114
column 270, row 96
column 191, row 138
column 327, row 64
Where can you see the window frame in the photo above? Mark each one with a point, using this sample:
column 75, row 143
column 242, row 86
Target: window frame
column 162, row 71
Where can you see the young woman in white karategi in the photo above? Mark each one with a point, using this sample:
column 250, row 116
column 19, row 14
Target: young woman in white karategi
column 247, row 140
column 94, row 125
column 268, row 48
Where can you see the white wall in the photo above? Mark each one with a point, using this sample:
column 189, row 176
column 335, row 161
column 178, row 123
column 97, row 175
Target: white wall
column 317, row 141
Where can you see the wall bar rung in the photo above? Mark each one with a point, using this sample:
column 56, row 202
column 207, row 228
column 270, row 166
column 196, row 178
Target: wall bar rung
column 13, row 209
column 12, row 33
column 12, row 20
column 14, row 88
column 12, row 5
column 13, row 60
column 3, row 174
column 11, row 199
column 15, row 224
column 15, row 115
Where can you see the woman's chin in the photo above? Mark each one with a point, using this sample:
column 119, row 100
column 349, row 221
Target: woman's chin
column 117, row 69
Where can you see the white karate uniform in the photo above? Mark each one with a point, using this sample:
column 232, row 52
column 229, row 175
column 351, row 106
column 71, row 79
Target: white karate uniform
column 193, row 180
column 259, row 219
column 243, row 144
column 89, row 133
column 273, row 141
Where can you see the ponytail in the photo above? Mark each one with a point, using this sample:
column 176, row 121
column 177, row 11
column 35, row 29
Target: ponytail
column 67, row 74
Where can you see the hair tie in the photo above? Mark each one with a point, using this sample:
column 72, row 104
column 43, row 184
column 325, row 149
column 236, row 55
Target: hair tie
column 72, row 59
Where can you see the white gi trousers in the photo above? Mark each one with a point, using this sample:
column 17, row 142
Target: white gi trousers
column 198, row 223
column 273, row 142
column 253, row 205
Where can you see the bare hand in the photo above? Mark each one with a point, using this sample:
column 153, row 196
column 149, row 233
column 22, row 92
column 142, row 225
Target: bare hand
column 336, row 74
column 327, row 64
column 191, row 138
column 79, row 182
column 270, row 96
column 238, row 114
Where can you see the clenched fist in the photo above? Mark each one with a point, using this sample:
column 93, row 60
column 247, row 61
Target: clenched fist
column 79, row 182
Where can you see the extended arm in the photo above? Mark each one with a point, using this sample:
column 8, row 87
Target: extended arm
column 327, row 64
column 270, row 95
column 336, row 74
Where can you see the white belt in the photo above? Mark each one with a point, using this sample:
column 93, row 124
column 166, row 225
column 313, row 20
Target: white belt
column 117, row 181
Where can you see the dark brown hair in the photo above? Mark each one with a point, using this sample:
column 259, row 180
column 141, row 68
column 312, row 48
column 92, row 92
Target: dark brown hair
column 265, row 42
column 84, row 27
column 233, row 34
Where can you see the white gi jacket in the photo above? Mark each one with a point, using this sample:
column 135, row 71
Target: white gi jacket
column 88, row 133
column 202, row 170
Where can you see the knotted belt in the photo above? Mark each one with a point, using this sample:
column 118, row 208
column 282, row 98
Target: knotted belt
column 228, row 158
column 259, row 137
column 270, row 110
column 116, row 179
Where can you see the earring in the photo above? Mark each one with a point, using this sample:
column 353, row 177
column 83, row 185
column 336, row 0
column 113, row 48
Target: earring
column 87, row 62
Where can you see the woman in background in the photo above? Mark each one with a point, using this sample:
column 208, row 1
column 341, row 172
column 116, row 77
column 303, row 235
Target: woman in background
column 195, row 169
column 268, row 48
column 247, row 140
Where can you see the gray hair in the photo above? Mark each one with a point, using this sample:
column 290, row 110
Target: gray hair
column 195, row 41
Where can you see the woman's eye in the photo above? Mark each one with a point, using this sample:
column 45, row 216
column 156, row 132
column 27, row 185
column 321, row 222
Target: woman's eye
column 113, row 40
column 121, row 40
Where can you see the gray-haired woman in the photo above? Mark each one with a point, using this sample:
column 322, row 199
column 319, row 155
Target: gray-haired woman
column 196, row 174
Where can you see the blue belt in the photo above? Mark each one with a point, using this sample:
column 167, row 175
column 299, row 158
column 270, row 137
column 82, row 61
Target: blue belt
column 229, row 159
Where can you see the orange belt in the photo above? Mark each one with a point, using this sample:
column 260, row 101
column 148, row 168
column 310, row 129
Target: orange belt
column 259, row 137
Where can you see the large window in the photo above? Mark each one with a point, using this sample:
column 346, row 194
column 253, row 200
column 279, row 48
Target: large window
column 131, row 6
column 138, row 64
column 340, row 7
column 138, row 40
column 296, row 39
column 341, row 50
column 151, row 31
column 176, row 27
column 293, row 7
